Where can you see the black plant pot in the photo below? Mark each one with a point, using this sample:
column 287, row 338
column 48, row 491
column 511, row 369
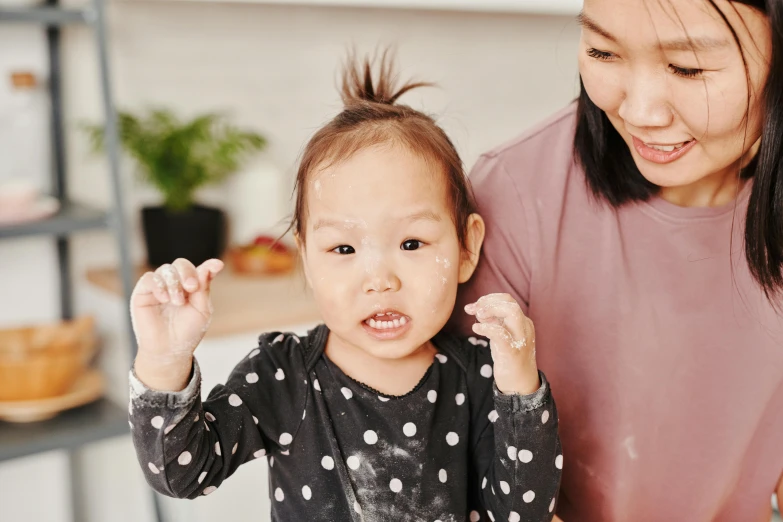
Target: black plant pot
column 197, row 234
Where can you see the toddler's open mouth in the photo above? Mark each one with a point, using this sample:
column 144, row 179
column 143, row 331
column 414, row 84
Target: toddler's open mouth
column 386, row 320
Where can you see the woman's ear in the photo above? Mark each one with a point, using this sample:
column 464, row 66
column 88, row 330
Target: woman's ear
column 474, row 237
column 300, row 247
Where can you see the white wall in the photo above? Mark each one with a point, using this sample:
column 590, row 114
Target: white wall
column 272, row 68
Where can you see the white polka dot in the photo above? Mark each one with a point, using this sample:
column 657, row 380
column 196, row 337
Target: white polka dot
column 357, row 507
column 279, row 496
column 251, row 377
column 442, row 358
column 383, row 399
column 370, row 437
column 493, row 489
column 296, row 339
column 196, row 419
column 208, row 490
column 513, row 517
column 525, row 456
column 234, row 400
column 484, row 483
column 545, row 416
column 217, row 448
column 552, row 505
column 157, row 422
column 327, row 462
column 209, row 417
column 271, row 462
column 353, row 462
column 202, row 477
column 395, row 485
column 153, row 468
column 286, row 439
column 317, row 385
column 409, row 429
column 432, row 396
column 234, row 449
column 307, row 493
column 493, row 416
column 472, row 340
column 504, row 487
column 346, row 392
column 512, row 453
column 278, row 339
column 474, row 516
column 286, row 452
column 253, row 353
column 559, row 462
column 169, row 428
column 206, row 426
column 279, row 374
column 304, row 414
column 452, row 438
column 255, row 419
column 184, row 458
column 460, row 399
column 443, row 476
column 486, row 371
column 260, row 453
column 130, row 424
column 528, row 497
column 491, row 516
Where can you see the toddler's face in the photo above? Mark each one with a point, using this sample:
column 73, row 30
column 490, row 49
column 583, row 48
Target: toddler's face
column 381, row 251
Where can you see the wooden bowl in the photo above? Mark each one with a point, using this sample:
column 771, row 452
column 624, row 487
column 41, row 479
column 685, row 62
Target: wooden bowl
column 44, row 361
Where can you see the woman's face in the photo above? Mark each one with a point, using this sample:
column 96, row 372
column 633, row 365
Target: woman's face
column 671, row 79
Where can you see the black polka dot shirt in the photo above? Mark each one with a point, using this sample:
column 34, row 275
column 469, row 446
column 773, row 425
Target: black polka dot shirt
column 452, row 449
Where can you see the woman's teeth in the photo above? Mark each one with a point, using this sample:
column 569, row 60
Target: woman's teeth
column 385, row 325
column 668, row 148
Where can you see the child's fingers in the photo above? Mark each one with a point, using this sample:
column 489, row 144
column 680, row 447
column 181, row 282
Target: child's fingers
column 207, row 271
column 483, row 301
column 503, row 311
column 187, row 274
column 149, row 291
column 170, row 277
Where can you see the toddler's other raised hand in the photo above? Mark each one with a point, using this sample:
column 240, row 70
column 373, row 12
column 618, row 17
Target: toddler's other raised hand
column 512, row 339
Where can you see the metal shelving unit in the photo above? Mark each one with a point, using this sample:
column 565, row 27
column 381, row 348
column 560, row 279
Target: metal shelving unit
column 102, row 419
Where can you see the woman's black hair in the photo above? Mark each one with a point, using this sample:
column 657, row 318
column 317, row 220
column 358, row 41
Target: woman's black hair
column 612, row 175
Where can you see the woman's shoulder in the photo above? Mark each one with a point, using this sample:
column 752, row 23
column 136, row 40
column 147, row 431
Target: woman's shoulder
column 541, row 157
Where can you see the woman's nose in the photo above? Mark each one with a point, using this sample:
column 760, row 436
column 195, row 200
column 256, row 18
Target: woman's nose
column 646, row 103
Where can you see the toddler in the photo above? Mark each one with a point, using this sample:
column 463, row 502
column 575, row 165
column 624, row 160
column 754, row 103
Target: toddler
column 376, row 415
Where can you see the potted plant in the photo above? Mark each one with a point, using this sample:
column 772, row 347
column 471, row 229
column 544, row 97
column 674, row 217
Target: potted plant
column 177, row 158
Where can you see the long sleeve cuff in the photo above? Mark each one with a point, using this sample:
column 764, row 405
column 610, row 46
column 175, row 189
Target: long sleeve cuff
column 172, row 400
column 515, row 403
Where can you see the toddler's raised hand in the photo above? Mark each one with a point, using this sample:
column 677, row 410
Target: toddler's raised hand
column 170, row 312
column 512, row 341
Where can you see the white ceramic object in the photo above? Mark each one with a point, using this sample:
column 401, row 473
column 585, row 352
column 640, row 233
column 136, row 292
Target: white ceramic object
column 17, row 195
column 41, row 208
column 256, row 202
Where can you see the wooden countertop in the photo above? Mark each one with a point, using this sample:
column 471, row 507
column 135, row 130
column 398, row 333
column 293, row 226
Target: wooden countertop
column 243, row 304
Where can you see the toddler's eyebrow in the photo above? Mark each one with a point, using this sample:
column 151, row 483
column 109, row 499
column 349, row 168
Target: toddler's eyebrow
column 427, row 215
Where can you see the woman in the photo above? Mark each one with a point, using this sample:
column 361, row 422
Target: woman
column 642, row 228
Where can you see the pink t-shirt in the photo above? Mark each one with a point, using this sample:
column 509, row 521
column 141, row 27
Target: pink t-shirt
column 665, row 359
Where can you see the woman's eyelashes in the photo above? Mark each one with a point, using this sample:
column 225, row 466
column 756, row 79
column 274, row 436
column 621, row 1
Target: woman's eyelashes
column 408, row 244
column 683, row 72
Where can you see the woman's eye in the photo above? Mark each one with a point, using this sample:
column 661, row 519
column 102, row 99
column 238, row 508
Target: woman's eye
column 685, row 72
column 344, row 250
column 599, row 55
column 412, row 244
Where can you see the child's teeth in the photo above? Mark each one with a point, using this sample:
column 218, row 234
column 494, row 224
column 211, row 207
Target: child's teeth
column 667, row 148
column 371, row 322
column 396, row 323
column 403, row 321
